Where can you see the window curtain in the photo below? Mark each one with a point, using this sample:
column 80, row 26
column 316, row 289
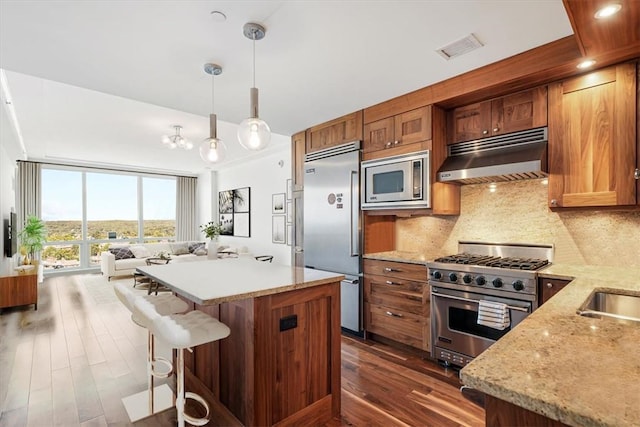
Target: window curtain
column 186, row 226
column 29, row 191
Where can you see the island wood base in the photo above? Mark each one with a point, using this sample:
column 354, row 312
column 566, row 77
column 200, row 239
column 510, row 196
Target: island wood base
column 501, row 413
column 261, row 375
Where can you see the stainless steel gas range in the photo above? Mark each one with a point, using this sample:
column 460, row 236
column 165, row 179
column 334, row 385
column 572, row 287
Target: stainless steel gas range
column 504, row 275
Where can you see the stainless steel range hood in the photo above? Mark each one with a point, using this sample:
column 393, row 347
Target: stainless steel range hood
column 509, row 157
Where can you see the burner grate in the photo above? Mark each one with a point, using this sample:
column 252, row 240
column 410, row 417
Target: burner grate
column 465, row 258
column 495, row 261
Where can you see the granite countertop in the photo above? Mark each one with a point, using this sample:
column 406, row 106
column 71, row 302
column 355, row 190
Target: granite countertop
column 578, row 370
column 401, row 256
column 211, row 282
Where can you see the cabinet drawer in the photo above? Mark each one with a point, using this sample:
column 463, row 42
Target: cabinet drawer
column 407, row 295
column 399, row 270
column 398, row 325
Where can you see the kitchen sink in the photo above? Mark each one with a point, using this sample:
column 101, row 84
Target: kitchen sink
column 614, row 304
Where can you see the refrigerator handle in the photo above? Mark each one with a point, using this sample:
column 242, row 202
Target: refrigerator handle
column 354, row 241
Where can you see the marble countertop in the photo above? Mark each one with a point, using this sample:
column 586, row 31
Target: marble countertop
column 578, row 370
column 211, row 282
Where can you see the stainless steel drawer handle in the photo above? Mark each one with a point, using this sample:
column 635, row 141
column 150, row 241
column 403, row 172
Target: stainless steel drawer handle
column 391, row 270
column 549, row 285
column 389, row 282
column 389, row 313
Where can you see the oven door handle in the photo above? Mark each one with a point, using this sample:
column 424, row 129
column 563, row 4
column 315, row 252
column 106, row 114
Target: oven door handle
column 510, row 307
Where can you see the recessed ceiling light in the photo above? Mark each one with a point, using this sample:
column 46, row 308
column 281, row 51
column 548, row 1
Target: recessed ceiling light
column 586, row 64
column 608, row 10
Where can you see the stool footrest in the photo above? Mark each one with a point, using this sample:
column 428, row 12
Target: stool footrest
column 197, row 421
column 164, row 362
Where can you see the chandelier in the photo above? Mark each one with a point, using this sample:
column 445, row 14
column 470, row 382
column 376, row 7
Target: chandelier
column 212, row 149
column 176, row 140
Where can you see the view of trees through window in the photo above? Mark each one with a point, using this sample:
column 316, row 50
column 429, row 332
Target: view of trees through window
column 114, row 205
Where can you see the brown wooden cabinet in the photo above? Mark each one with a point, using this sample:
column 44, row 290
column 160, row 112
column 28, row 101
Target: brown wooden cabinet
column 396, row 299
column 549, row 287
column 298, row 147
column 400, row 134
column 19, row 289
column 511, row 113
column 335, row 132
column 592, row 139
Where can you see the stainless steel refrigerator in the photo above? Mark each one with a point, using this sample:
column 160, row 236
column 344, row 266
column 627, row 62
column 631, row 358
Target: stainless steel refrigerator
column 332, row 232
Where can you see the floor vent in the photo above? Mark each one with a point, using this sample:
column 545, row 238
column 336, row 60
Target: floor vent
column 460, row 47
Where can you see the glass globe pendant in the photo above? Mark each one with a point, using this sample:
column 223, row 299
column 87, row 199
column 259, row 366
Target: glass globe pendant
column 212, row 150
column 254, row 134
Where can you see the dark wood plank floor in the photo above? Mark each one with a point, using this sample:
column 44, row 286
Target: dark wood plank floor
column 70, row 362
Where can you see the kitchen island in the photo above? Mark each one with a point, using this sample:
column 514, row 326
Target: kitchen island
column 562, row 367
column 281, row 363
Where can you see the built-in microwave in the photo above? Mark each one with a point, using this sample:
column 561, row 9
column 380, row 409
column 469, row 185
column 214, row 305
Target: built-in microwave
column 399, row 182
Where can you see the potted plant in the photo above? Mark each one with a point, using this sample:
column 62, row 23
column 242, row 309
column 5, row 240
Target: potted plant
column 211, row 231
column 33, row 236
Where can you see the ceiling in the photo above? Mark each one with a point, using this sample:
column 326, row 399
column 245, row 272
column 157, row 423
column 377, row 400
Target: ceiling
column 102, row 81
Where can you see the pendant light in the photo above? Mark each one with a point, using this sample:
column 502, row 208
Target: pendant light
column 253, row 133
column 212, row 149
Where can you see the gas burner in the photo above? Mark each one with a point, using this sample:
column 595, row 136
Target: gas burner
column 516, row 263
column 465, row 258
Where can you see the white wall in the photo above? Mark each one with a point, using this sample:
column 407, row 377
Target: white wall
column 266, row 176
column 10, row 151
column 207, row 203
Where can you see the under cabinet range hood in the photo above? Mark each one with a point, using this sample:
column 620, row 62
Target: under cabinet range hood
column 509, row 157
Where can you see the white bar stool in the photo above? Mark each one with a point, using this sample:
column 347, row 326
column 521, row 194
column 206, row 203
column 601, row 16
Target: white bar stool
column 183, row 331
column 161, row 397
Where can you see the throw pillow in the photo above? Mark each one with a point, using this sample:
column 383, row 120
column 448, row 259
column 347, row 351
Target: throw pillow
column 180, row 248
column 140, row 251
column 200, row 251
column 193, row 246
column 122, row 253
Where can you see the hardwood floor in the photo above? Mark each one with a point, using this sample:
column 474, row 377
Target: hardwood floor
column 70, row 362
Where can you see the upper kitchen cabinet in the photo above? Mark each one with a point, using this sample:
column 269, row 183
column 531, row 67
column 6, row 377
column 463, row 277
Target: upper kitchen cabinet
column 511, row 113
column 298, row 147
column 399, row 134
column 592, row 139
column 335, row 132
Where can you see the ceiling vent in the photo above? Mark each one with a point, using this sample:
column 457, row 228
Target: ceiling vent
column 460, row 47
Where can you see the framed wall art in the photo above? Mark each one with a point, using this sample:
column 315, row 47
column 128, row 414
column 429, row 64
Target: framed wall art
column 234, row 210
column 278, row 229
column 277, row 203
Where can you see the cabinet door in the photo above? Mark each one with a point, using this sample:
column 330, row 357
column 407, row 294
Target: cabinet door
column 335, row 132
column 470, row 122
column 298, row 142
column 549, row 287
column 592, row 139
column 520, row 111
column 413, row 126
column 379, row 135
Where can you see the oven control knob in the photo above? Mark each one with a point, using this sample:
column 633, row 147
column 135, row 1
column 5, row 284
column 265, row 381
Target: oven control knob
column 453, row 277
column 467, row 278
column 518, row 285
column 480, row 280
column 497, row 282
column 437, row 275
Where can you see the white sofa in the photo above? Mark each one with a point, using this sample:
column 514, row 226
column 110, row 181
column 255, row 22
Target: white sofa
column 111, row 267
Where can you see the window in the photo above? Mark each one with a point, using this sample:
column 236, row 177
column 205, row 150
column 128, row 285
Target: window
column 112, row 206
column 86, row 211
column 62, row 214
column 159, row 208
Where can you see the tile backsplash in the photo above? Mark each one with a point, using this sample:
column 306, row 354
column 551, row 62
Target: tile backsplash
column 518, row 212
